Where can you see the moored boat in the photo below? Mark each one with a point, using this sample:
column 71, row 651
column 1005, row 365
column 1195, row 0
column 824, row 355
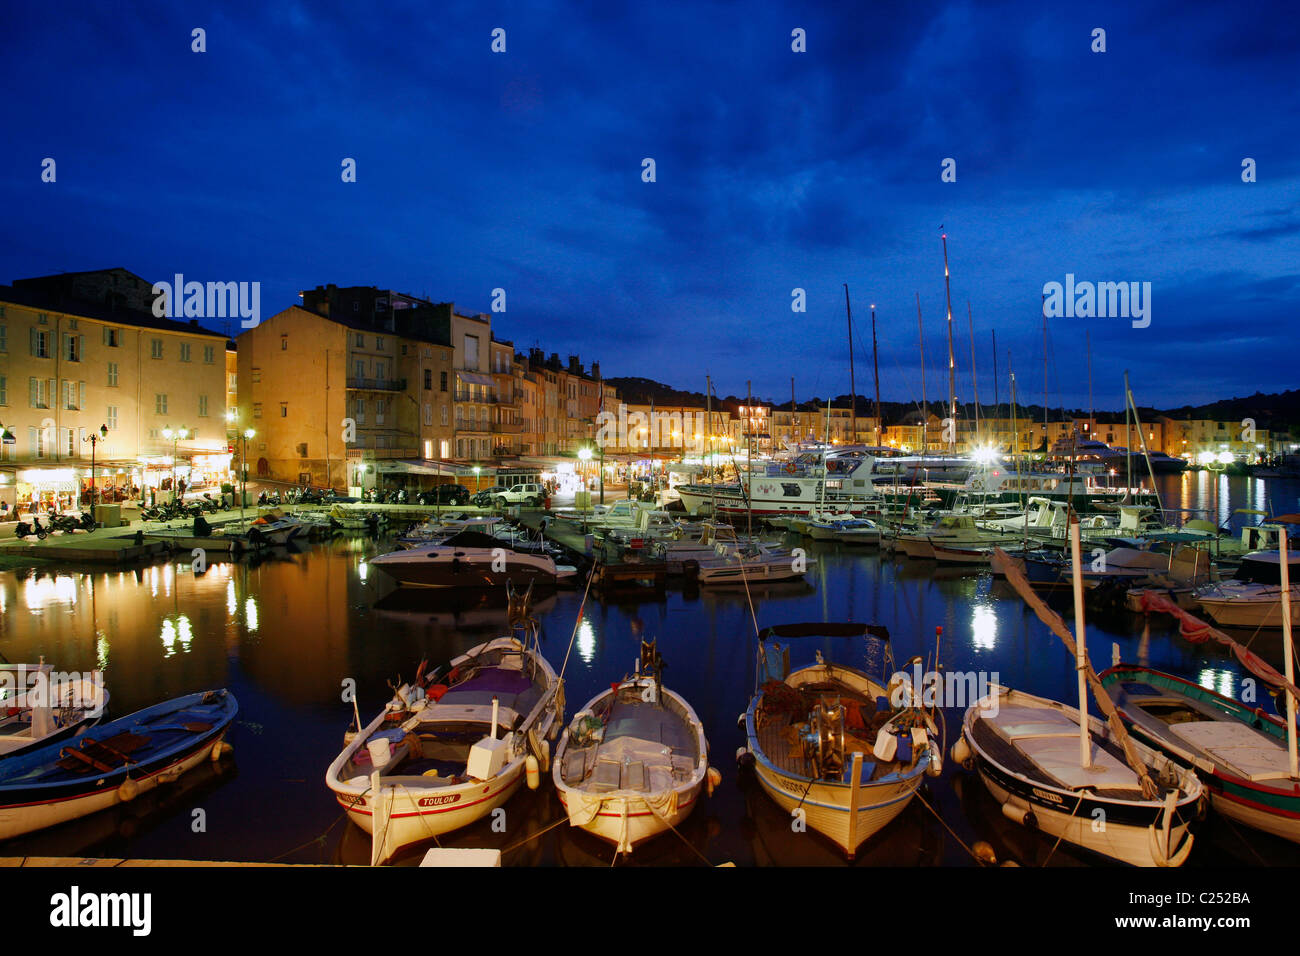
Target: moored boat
column 114, row 762
column 445, row 753
column 634, row 760
column 827, row 740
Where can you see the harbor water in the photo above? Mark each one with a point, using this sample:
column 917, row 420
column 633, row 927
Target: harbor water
column 287, row 633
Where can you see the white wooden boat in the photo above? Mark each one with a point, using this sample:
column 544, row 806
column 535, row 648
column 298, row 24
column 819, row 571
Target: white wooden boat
column 634, row 761
column 1253, row 596
column 1026, row 750
column 753, row 563
column 807, row 736
column 38, row 706
column 444, row 754
column 1073, row 777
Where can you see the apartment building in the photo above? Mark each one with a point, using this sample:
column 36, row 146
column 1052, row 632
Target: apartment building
column 88, row 372
column 329, row 398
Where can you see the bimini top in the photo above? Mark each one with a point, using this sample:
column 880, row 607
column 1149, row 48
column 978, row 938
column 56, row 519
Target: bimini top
column 824, row 629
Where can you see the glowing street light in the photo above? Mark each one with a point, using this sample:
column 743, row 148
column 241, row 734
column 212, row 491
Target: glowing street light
column 178, row 435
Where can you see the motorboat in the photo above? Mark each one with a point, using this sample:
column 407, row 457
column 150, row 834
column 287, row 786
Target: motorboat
column 470, row 559
column 1252, row 597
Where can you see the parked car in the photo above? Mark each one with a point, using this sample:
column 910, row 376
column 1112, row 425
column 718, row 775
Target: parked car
column 484, row 498
column 451, row 494
column 530, row 495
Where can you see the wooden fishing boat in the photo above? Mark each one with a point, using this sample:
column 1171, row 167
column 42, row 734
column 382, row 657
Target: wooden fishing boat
column 446, row 753
column 1071, row 776
column 39, row 707
column 1026, row 750
column 1239, row 751
column 824, row 740
column 634, row 760
column 112, row 763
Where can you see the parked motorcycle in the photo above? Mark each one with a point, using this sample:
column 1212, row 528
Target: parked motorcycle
column 23, row 529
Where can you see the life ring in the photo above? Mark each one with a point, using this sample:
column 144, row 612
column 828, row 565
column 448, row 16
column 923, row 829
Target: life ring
column 790, row 469
column 977, row 483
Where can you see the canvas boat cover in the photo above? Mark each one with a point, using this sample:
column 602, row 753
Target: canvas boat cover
column 1050, row 739
column 1251, row 754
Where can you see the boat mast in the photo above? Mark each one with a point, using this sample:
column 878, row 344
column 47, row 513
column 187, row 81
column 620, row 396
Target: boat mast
column 794, row 415
column 749, row 458
column 925, row 408
column 853, row 389
column 974, row 381
column 1047, row 444
column 708, row 402
column 997, row 401
column 875, row 362
column 1080, row 651
column 1146, row 453
column 1287, row 652
column 952, row 361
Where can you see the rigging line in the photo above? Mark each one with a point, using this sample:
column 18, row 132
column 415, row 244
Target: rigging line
column 707, row 861
column 533, row 836
column 1077, row 805
column 316, row 839
column 578, row 621
column 925, row 803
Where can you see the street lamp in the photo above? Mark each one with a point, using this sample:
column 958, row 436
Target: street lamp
column 243, row 469
column 94, row 438
column 584, row 453
column 477, row 469
column 178, row 435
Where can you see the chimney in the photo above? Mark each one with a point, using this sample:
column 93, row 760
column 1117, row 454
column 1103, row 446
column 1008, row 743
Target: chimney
column 554, row 361
column 575, row 365
column 536, row 359
column 595, row 370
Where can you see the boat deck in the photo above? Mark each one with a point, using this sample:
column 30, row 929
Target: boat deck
column 648, row 747
column 1043, row 745
column 778, row 732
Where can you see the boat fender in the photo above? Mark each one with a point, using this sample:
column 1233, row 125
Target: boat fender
column 414, row 747
column 221, row 749
column 935, row 767
column 1018, row 814
column 984, row 853
column 128, row 790
column 714, row 777
column 532, row 772
column 744, row 758
column 961, row 753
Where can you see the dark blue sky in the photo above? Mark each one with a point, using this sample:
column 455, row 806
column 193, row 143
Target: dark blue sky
column 775, row 170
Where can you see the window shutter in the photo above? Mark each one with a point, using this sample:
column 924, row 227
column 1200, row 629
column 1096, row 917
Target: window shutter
column 31, row 439
column 32, row 396
column 81, row 348
column 81, row 395
column 106, row 335
column 51, row 390
column 32, row 336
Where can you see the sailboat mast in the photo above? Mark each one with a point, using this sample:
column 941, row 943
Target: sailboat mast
column 875, row 362
column 1045, row 369
column 1287, row 651
column 925, row 408
column 974, row 381
column 749, row 457
column 853, row 389
column 952, row 360
column 708, row 402
column 794, row 414
column 1080, row 651
column 997, row 402
column 1088, row 339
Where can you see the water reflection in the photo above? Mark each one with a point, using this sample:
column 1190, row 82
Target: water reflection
column 284, row 633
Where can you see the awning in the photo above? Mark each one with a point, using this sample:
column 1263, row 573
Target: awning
column 476, row 378
column 412, row 466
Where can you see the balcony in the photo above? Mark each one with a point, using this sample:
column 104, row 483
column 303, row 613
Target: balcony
column 508, row 428
column 377, row 384
column 465, row 395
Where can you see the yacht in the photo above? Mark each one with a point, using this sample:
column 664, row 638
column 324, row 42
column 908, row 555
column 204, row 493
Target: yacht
column 1253, row 596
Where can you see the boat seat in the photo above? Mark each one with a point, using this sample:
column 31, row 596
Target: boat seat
column 1050, row 739
column 1252, row 754
column 608, row 776
column 634, row 776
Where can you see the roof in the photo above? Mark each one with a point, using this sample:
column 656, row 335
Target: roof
column 44, row 301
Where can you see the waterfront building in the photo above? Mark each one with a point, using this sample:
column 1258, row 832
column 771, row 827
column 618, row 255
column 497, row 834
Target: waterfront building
column 82, row 357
